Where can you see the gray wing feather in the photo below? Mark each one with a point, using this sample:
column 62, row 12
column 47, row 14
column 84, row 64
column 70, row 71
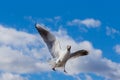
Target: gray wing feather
column 78, row 53
column 49, row 39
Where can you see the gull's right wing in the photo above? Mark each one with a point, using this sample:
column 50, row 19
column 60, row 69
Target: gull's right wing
column 78, row 53
column 50, row 40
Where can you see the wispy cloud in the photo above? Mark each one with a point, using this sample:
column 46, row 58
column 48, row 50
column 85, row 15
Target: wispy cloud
column 117, row 48
column 31, row 19
column 112, row 32
column 54, row 21
column 20, row 52
column 89, row 22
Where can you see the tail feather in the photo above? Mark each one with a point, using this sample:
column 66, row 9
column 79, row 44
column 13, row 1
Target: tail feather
column 52, row 62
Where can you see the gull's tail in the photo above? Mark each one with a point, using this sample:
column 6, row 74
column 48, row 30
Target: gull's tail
column 51, row 62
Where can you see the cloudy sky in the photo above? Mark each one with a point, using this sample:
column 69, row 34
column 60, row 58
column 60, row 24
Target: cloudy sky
column 85, row 24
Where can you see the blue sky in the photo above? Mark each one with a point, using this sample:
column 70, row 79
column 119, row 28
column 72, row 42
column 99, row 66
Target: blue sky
column 85, row 24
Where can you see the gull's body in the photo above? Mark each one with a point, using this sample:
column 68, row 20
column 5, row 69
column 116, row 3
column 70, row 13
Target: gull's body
column 59, row 55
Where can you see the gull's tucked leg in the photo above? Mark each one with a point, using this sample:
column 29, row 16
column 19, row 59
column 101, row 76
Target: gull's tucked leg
column 55, row 65
column 53, row 69
column 64, row 69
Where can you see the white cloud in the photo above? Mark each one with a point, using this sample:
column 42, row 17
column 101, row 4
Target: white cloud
column 19, row 38
column 15, row 61
column 20, row 52
column 90, row 23
column 111, row 31
column 93, row 63
column 10, row 76
column 117, row 48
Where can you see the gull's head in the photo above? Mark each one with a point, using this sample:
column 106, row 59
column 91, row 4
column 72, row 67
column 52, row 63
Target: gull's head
column 68, row 47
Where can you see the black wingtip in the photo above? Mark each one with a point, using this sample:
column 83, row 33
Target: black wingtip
column 85, row 52
column 35, row 25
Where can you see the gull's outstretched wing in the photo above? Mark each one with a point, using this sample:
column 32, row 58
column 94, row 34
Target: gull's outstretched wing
column 78, row 53
column 50, row 40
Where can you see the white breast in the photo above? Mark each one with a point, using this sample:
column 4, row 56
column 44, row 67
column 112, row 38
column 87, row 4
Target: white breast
column 64, row 56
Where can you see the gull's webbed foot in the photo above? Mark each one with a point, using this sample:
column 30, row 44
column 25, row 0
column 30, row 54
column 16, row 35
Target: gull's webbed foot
column 53, row 69
column 65, row 71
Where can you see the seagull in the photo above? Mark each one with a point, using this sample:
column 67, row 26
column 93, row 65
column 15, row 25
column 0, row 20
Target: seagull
column 59, row 55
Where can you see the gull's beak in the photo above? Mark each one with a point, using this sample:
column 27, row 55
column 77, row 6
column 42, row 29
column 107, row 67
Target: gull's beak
column 68, row 47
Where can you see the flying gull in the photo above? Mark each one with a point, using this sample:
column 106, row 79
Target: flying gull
column 60, row 56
